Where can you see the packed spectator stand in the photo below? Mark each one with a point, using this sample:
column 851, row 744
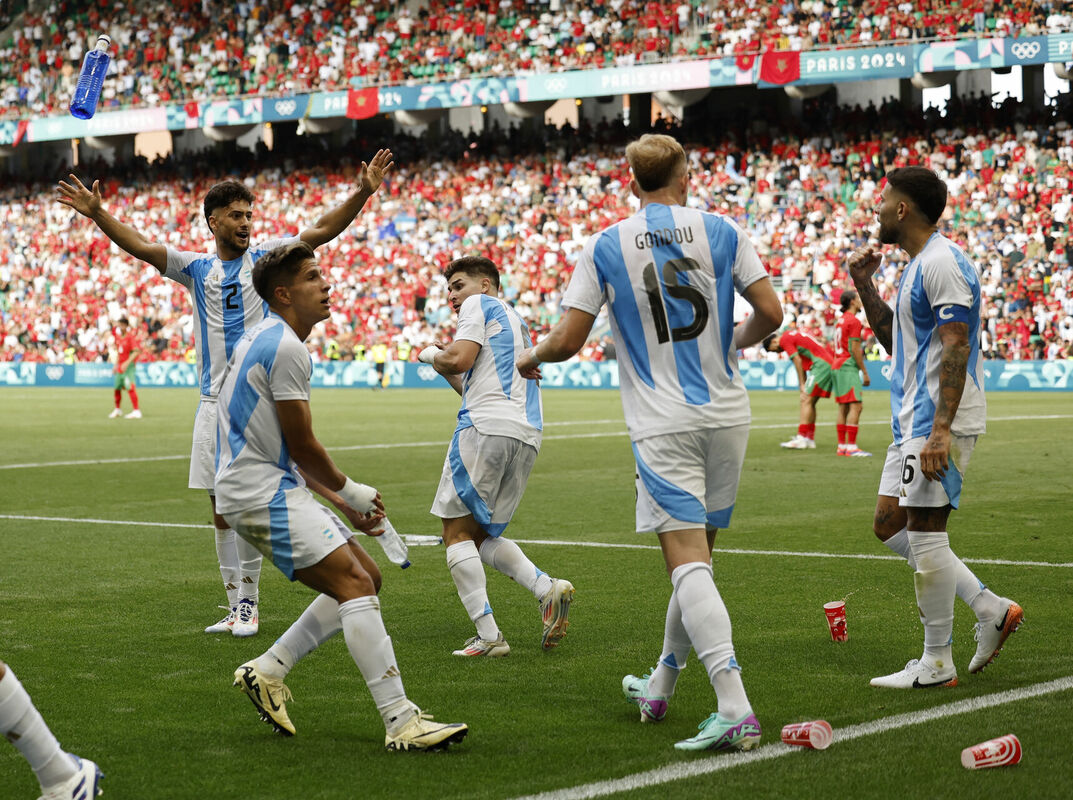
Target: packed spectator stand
column 529, row 198
column 183, row 50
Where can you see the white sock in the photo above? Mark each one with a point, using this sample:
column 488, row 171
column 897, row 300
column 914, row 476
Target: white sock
column 22, row 724
column 249, row 558
column 504, row 555
column 935, row 580
column 899, row 543
column 370, row 647
column 318, row 623
column 676, row 647
column 707, row 622
column 984, row 603
column 467, row 572
column 227, row 553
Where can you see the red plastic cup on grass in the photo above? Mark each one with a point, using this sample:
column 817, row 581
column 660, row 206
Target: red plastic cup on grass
column 1004, row 751
column 836, row 619
column 816, row 734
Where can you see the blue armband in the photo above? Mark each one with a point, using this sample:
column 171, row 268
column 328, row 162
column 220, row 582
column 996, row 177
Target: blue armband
column 951, row 313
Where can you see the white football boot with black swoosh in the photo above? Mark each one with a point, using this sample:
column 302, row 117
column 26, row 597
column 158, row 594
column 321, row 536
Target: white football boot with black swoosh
column 919, row 675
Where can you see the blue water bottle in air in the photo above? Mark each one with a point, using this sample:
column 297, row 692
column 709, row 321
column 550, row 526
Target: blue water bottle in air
column 91, row 79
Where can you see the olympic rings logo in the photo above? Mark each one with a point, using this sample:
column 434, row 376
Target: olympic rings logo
column 1025, row 50
column 555, row 84
column 285, row 107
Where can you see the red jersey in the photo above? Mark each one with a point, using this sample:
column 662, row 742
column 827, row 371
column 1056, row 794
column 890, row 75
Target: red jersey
column 125, row 344
column 809, row 348
column 849, row 327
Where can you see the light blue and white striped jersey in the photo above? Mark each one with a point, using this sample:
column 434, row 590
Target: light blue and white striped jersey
column 668, row 274
column 939, row 285
column 270, row 364
column 225, row 304
column 496, row 400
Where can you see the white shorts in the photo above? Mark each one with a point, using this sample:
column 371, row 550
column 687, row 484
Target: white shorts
column 688, row 480
column 294, row 530
column 484, row 476
column 903, row 479
column 203, row 450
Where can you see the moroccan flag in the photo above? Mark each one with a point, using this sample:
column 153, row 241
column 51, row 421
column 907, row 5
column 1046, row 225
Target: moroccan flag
column 362, row 103
column 20, row 131
column 783, row 66
column 745, row 65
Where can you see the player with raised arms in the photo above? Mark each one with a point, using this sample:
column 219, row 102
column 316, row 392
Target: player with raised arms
column 225, row 306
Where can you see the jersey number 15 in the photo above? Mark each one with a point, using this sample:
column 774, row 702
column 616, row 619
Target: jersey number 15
column 654, row 288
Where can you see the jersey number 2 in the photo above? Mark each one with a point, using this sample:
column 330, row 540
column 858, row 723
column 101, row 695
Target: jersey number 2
column 654, row 290
column 229, row 297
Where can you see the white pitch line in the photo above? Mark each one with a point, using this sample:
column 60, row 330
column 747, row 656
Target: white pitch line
column 693, row 769
column 561, row 543
column 797, row 553
column 443, row 442
column 91, row 521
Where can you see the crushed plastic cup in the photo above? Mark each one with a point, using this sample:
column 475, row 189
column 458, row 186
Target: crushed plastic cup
column 1004, row 751
column 836, row 619
column 816, row 734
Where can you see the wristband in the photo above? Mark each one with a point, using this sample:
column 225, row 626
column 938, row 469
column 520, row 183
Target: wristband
column 428, row 354
column 358, row 496
column 534, row 356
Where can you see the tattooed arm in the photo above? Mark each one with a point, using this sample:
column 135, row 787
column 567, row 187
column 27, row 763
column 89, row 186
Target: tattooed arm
column 953, row 368
column 861, row 266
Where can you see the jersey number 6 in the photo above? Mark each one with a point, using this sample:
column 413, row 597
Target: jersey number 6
column 654, row 290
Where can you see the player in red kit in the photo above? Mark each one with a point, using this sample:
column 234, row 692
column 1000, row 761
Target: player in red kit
column 128, row 347
column 816, row 365
column 854, row 373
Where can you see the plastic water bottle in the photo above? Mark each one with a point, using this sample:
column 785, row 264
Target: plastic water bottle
column 394, row 547
column 91, row 79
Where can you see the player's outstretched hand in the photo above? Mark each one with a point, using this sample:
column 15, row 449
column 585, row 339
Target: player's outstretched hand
column 863, row 262
column 372, row 174
column 78, row 197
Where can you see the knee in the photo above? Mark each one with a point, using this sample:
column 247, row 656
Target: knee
column 356, row 582
column 376, row 578
column 884, row 528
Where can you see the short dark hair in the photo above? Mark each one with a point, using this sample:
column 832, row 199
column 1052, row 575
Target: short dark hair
column 478, row 266
column 848, row 297
column 921, row 185
column 224, row 194
column 124, row 321
column 279, row 267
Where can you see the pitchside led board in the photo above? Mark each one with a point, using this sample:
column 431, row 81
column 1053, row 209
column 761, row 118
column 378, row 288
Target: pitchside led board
column 770, row 69
column 1035, row 376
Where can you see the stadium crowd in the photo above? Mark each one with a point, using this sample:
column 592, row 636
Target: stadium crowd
column 186, row 50
column 529, row 199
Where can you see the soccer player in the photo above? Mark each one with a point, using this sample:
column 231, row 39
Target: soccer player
column 267, row 455
column 63, row 776
column 668, row 275
column 938, row 410
column 491, row 455
column 815, row 365
column 128, row 348
column 225, row 305
column 853, row 374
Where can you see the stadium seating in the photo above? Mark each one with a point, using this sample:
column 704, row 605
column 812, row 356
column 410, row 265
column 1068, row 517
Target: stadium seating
column 805, row 200
column 185, row 50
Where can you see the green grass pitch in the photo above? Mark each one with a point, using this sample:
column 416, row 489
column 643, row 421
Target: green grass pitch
column 103, row 598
